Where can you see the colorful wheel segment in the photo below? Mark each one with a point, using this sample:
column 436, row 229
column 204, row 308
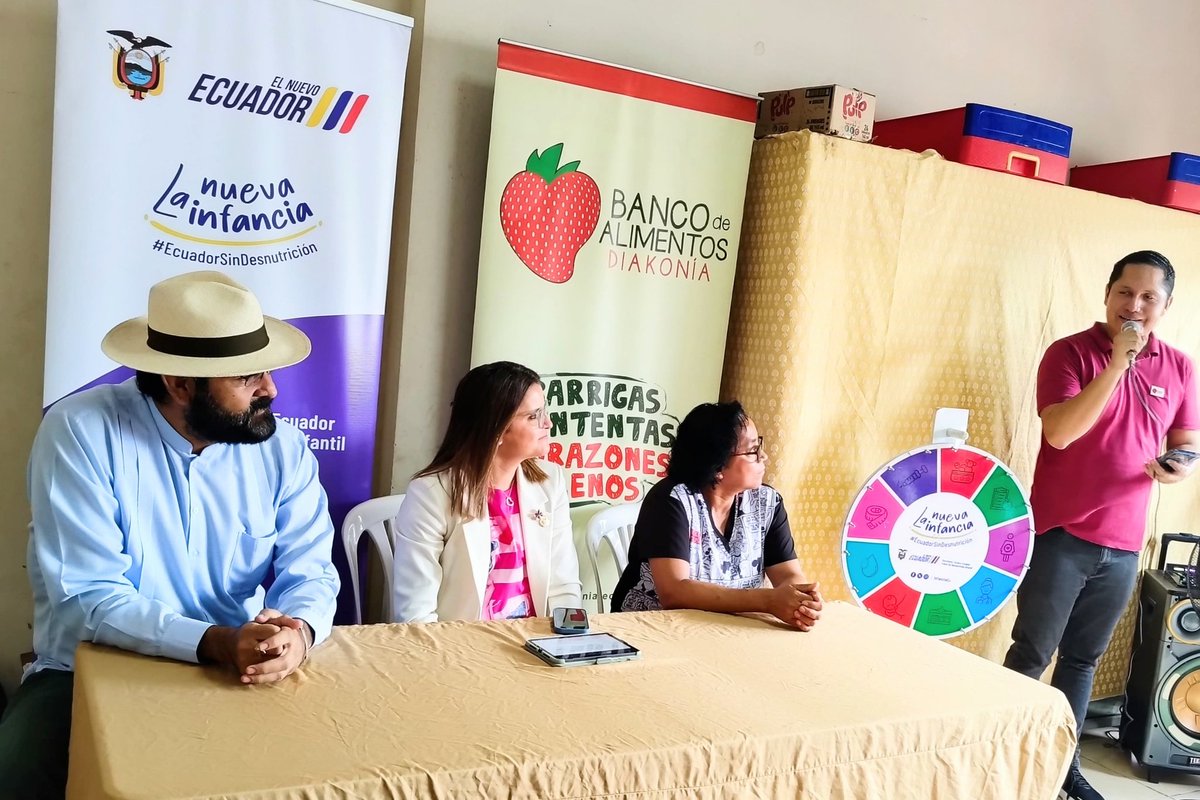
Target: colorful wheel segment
column 938, row 539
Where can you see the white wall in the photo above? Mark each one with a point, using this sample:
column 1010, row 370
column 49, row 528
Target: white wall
column 27, row 100
column 1123, row 74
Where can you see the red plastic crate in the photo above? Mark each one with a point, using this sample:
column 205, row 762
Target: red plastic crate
column 1172, row 181
column 984, row 136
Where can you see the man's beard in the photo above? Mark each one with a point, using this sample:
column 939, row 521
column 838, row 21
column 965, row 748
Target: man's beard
column 214, row 424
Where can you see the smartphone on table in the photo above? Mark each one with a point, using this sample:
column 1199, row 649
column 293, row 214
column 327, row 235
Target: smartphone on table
column 569, row 620
column 576, row 651
column 1177, row 456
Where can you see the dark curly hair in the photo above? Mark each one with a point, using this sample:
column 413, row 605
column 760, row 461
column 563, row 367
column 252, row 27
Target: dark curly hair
column 706, row 439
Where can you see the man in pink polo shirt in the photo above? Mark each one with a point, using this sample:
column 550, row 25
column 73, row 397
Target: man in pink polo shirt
column 1109, row 397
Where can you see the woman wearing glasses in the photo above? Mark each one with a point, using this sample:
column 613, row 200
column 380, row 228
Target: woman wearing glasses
column 709, row 532
column 484, row 531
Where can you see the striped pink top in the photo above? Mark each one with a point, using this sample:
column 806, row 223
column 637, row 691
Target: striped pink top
column 507, row 595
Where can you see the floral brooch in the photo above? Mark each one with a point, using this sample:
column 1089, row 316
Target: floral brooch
column 539, row 516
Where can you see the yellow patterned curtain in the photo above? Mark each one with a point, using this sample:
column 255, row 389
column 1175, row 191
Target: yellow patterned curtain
column 875, row 286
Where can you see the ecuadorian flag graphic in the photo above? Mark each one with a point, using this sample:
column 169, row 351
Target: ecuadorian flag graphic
column 329, row 111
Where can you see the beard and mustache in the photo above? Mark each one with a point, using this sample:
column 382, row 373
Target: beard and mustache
column 214, row 424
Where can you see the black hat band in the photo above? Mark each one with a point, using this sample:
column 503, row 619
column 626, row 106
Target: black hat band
column 208, row 347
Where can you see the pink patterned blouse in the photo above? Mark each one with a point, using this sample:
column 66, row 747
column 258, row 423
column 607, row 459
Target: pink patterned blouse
column 507, row 595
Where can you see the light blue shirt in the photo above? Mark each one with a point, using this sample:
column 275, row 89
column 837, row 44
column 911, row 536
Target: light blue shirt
column 139, row 544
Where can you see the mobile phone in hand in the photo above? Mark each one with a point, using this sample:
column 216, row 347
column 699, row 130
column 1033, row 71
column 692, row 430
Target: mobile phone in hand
column 1179, row 456
column 569, row 620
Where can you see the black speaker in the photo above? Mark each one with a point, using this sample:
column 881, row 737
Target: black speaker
column 1161, row 723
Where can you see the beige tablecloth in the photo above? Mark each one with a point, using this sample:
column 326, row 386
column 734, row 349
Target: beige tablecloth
column 718, row 706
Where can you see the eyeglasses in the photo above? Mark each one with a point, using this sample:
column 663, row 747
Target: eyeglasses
column 538, row 415
column 756, row 452
column 254, row 380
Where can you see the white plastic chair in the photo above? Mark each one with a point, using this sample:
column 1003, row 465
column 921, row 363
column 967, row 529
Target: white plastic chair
column 615, row 526
column 373, row 518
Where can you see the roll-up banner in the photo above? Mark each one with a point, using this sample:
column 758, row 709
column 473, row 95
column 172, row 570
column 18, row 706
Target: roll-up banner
column 611, row 218
column 255, row 139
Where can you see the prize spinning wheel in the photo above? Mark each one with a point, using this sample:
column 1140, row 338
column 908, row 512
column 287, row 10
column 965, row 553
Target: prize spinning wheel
column 938, row 539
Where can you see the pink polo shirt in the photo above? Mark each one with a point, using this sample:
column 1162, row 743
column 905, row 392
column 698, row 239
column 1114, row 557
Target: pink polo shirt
column 1096, row 487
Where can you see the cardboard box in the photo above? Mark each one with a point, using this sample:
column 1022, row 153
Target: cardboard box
column 838, row 110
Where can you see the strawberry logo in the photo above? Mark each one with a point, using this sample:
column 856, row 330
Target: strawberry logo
column 547, row 212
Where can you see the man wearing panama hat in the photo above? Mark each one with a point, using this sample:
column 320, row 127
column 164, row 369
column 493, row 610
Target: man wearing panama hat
column 161, row 504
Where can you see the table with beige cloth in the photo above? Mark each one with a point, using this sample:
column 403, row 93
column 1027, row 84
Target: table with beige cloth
column 717, row 706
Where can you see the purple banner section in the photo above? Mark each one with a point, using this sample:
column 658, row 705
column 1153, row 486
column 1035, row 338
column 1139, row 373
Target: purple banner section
column 118, row 375
column 333, row 397
column 914, row 477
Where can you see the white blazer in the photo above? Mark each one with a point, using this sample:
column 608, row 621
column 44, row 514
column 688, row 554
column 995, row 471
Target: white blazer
column 442, row 561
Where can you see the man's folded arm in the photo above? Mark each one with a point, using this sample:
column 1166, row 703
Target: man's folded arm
column 306, row 582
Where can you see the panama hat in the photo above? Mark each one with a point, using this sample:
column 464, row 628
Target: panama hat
column 204, row 325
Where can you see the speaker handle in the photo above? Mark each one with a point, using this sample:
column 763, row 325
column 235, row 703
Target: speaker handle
column 1165, row 542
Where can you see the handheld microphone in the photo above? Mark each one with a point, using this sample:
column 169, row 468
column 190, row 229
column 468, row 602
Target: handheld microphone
column 1136, row 327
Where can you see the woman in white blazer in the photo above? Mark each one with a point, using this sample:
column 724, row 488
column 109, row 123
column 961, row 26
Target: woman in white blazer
column 484, row 531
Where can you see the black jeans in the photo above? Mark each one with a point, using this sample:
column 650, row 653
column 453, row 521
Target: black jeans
column 1072, row 598
column 35, row 735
